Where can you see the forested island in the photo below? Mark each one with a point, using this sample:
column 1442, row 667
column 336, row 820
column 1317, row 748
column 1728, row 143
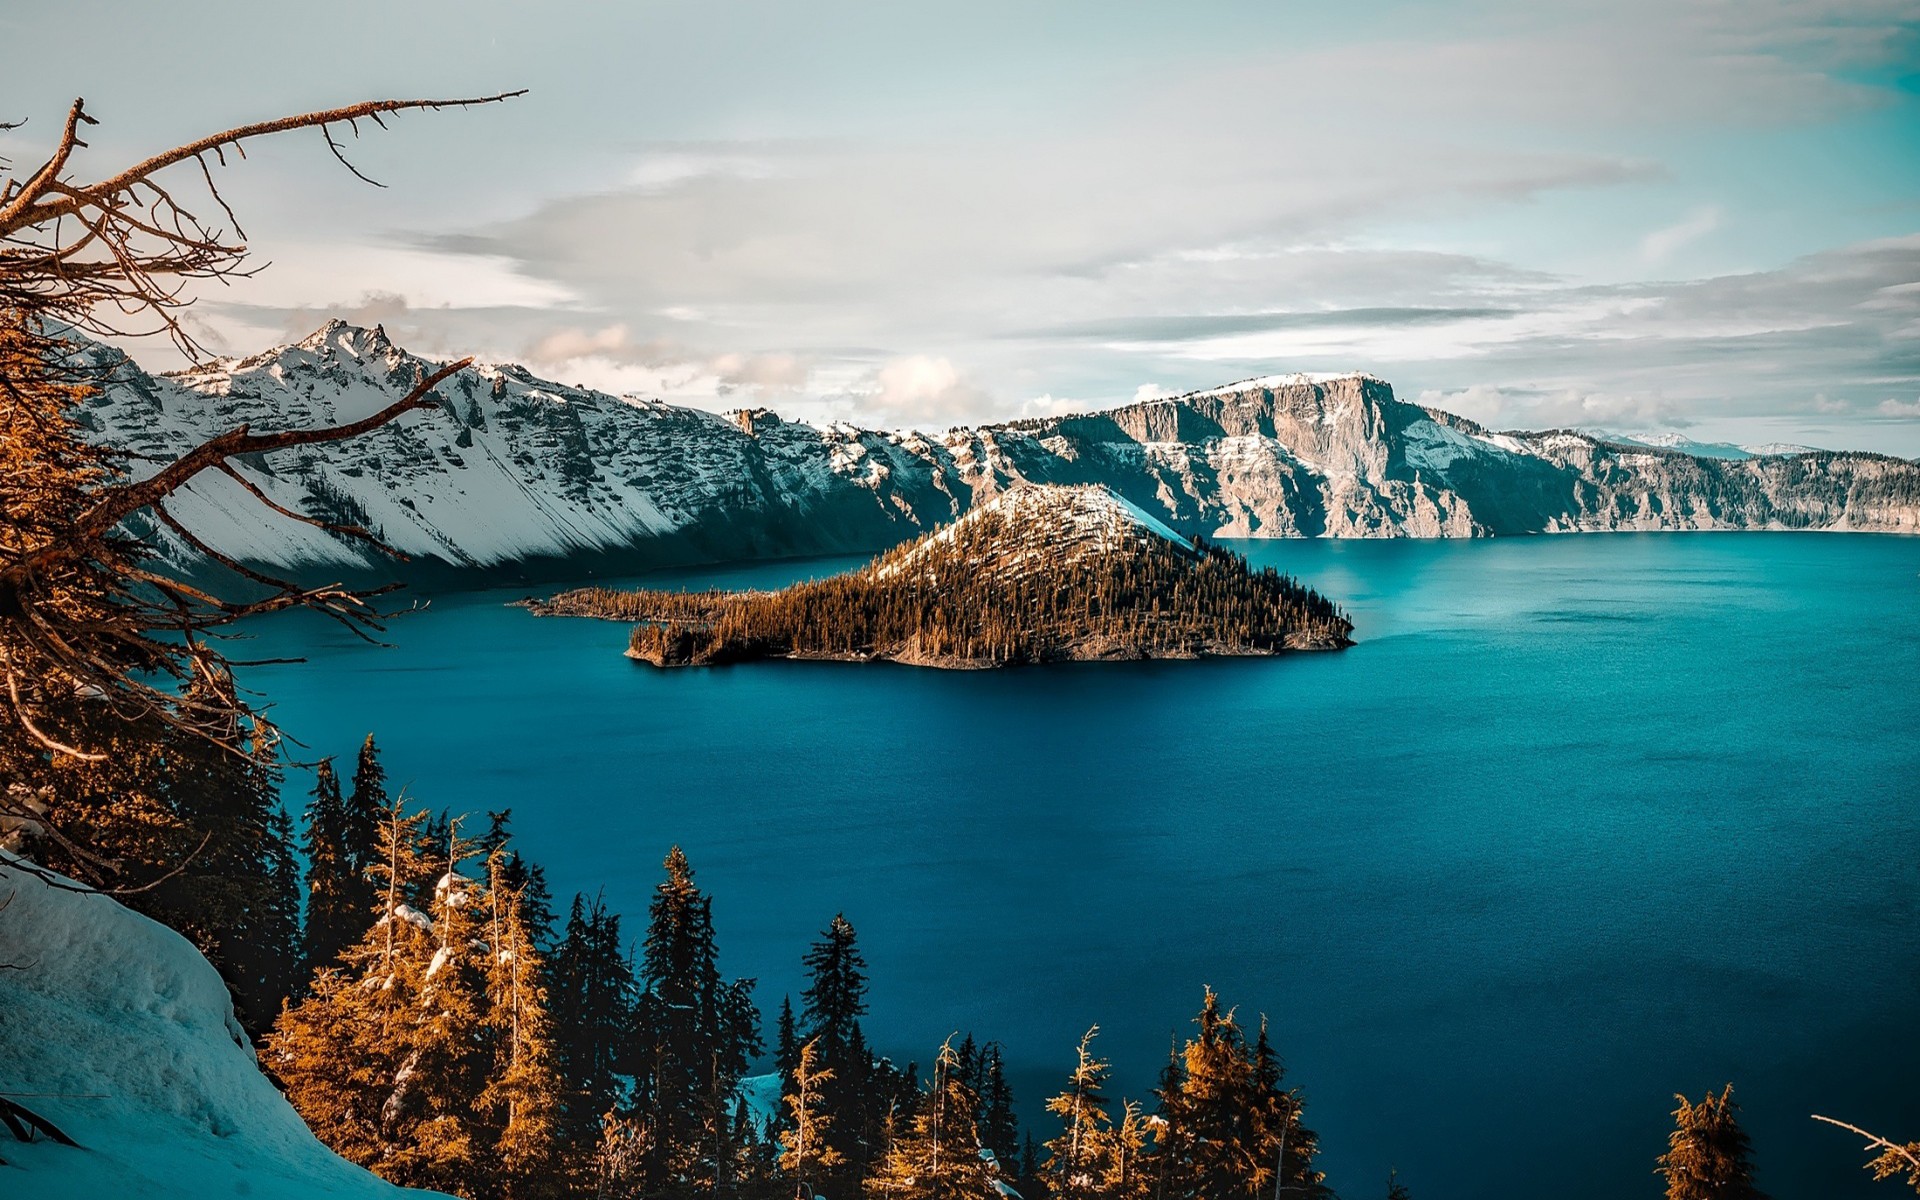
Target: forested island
column 1041, row 574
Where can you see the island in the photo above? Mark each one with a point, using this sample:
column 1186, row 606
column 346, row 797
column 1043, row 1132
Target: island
column 1039, row 574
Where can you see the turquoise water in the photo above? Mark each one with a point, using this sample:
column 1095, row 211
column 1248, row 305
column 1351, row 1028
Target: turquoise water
column 1581, row 822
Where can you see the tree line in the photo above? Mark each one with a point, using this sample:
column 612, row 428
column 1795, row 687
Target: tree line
column 455, row 1035
column 981, row 592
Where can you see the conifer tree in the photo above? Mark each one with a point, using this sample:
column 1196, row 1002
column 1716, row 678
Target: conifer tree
column 1291, row 1146
column 1395, row 1189
column 939, row 1157
column 786, row 1044
column 1708, row 1155
column 592, row 1003
column 694, row 1034
column 807, row 1150
column 339, row 1053
column 1229, row 1128
column 522, row 1096
column 831, row 1007
column 365, row 809
column 336, row 913
column 448, row 1055
column 1075, row 1169
column 527, row 880
column 999, row 1130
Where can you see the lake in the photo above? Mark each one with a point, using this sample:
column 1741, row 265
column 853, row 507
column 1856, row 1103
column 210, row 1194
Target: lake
column 1579, row 823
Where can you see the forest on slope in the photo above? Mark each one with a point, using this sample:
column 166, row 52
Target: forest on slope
column 1042, row 574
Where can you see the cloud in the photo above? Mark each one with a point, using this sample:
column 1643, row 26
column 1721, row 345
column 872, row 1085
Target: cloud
column 1659, row 245
column 1899, row 409
column 673, row 368
column 1569, row 408
column 922, row 391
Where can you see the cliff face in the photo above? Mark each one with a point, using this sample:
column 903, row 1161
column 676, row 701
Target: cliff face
column 512, row 469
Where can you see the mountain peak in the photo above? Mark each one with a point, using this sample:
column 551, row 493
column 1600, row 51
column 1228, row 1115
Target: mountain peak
column 1267, row 383
column 344, row 337
column 1033, row 522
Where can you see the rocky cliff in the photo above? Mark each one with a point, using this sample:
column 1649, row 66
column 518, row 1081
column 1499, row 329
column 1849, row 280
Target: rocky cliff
column 512, row 471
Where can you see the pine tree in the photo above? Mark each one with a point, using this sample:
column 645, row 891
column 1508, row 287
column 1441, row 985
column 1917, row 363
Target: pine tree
column 1288, row 1144
column 1229, row 1127
column 448, row 1055
column 939, row 1157
column 527, row 880
column 592, row 990
column 694, row 1034
column 339, row 1054
column 226, row 890
column 999, row 1131
column 831, row 1007
column 364, row 810
column 336, row 911
column 786, row 1053
column 1708, row 1155
column 523, row 1091
column 1075, row 1169
column 1029, row 1182
column 1395, row 1189
column 808, row 1154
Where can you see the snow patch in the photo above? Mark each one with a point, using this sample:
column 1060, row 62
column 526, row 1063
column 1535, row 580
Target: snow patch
column 124, row 1037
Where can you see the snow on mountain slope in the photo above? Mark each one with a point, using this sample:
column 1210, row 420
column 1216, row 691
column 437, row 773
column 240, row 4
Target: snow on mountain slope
column 1683, row 444
column 115, row 1029
column 512, row 470
column 1042, row 522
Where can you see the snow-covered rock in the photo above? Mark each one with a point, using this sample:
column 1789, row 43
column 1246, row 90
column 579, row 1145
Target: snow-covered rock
column 115, row 1029
column 511, row 471
column 1042, row 525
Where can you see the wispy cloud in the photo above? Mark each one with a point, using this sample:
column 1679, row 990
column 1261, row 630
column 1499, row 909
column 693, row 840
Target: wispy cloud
column 1659, row 246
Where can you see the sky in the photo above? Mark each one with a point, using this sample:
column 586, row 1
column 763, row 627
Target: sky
column 1638, row 215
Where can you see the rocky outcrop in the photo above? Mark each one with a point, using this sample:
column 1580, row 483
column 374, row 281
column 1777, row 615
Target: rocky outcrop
column 513, row 472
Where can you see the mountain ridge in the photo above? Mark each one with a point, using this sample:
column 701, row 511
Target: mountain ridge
column 512, row 470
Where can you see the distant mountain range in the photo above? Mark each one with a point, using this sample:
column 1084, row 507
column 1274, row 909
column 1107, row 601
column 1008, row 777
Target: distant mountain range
column 521, row 475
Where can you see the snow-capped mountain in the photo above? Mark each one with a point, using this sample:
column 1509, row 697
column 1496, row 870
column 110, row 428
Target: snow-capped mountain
column 511, row 471
column 1681, row 443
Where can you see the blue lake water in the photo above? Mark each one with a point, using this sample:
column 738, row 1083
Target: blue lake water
column 1580, row 822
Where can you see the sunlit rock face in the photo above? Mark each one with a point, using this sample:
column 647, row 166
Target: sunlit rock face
column 512, row 470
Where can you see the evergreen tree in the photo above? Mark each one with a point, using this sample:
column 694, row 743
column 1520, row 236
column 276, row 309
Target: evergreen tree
column 999, row 1131
column 831, row 1007
column 1029, row 1182
column 593, row 992
column 523, row 1093
column 1075, row 1168
column 807, row 1151
column 449, row 1058
column 939, row 1157
column 786, row 1052
column 364, row 810
column 1229, row 1128
column 336, row 911
column 694, row 1034
column 1291, row 1146
column 338, row 1054
column 1395, row 1189
column 527, row 880
column 1708, row 1155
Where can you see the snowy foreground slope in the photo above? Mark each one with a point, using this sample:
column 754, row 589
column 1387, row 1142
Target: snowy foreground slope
column 115, row 1029
column 512, row 471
